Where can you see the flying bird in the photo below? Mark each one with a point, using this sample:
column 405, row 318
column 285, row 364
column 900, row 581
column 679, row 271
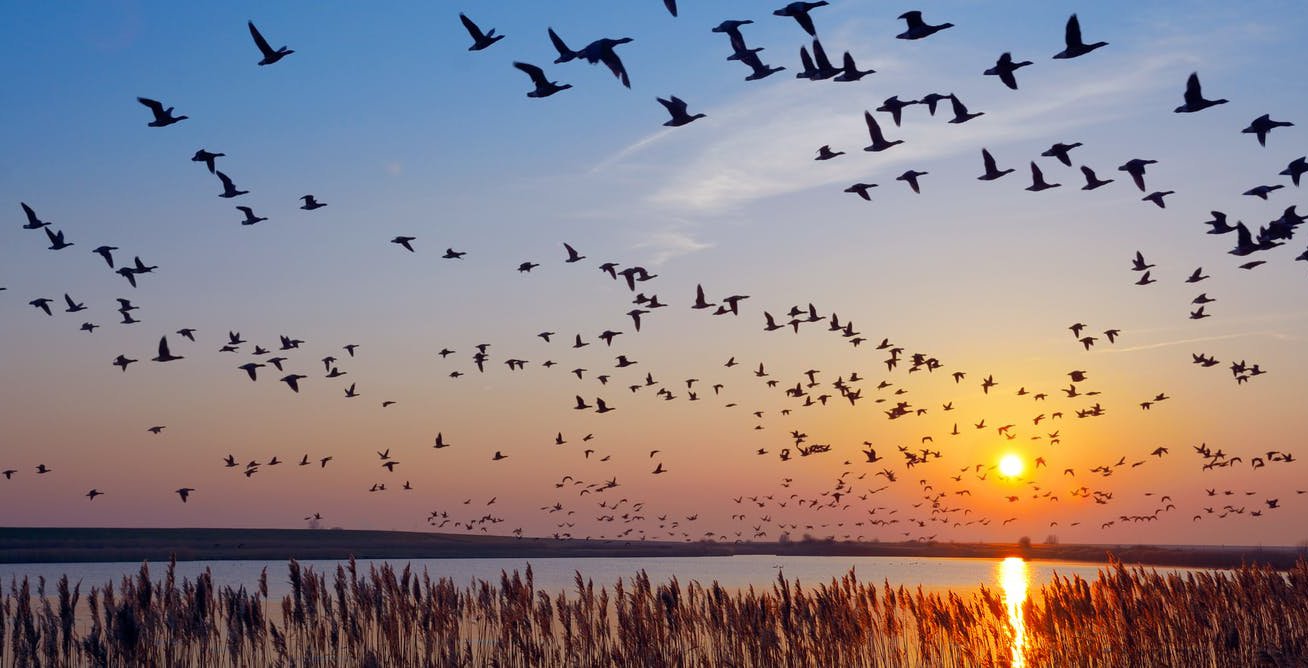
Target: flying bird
column 677, row 109
column 480, row 40
column 406, row 242
column 33, row 223
column 207, row 158
column 917, row 28
column 1075, row 47
column 1194, row 97
column 164, row 355
column 106, row 252
column 162, row 117
column 1038, row 182
column 544, row 87
column 310, row 203
column 270, row 55
column 250, row 218
column 1004, row 69
column 229, row 188
column 992, row 171
column 879, row 142
column 799, row 11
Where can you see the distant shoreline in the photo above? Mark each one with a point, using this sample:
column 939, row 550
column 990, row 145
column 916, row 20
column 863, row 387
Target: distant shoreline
column 79, row 545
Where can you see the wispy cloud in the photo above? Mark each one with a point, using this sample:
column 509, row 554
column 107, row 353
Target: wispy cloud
column 668, row 244
column 1274, row 334
column 764, row 140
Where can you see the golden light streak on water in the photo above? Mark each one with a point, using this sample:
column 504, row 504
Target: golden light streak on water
column 1014, row 579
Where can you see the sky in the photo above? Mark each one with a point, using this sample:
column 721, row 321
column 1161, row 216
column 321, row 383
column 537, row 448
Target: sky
column 390, row 120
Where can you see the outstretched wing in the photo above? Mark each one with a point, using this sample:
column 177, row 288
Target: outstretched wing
column 259, row 41
column 472, row 28
column 1072, row 36
column 537, row 74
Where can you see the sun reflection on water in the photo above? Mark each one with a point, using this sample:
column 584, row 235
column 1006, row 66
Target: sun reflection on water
column 1014, row 579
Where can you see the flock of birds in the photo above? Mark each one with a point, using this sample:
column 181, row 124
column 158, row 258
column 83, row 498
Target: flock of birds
column 609, row 381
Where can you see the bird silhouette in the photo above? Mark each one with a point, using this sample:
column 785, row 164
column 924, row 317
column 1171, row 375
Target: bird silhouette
column 544, row 87
column 33, row 223
column 799, row 11
column 677, row 109
column 1136, row 168
column 1004, row 69
column 1038, row 182
column 270, row 55
column 917, row 28
column 1262, row 125
column 1194, row 97
column 480, row 40
column 229, row 188
column 879, row 142
column 164, row 355
column 1075, row 47
column 1092, row 181
column 209, row 159
column 162, row 117
column 406, row 242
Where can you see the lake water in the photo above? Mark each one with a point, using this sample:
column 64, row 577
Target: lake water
column 555, row 575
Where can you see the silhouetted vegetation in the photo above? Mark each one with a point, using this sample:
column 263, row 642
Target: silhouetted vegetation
column 1126, row 616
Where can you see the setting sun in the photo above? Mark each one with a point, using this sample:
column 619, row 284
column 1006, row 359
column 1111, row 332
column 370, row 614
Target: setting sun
column 1011, row 466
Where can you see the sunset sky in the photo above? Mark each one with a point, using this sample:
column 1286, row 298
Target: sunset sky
column 387, row 118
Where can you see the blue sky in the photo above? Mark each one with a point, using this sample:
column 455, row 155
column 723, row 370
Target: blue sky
column 386, row 117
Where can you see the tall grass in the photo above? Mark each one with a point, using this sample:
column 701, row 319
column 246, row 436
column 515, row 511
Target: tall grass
column 1250, row 616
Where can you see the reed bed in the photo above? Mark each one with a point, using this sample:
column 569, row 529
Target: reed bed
column 1251, row 616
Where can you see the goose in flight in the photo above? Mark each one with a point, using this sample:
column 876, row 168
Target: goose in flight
column 43, row 303
column 1136, row 168
column 544, row 87
column 162, row 117
column 310, row 203
column 185, row 493
column 94, row 493
column 106, row 252
column 229, row 188
column 406, row 242
column 1194, row 97
column 270, row 55
column 1261, row 192
column 207, row 158
column 73, row 307
column 1157, row 197
column 249, row 368
column 895, row 107
column 992, row 170
column 122, row 361
column 917, row 28
column 1092, row 180
column 293, row 381
column 910, row 177
column 1296, row 169
column 849, row 70
column 33, row 223
column 861, row 189
column 1260, row 126
column 799, row 11
column 1004, row 69
column 157, row 429
column 250, row 218
column 598, row 51
column 57, row 240
column 677, row 109
column 961, row 114
column 1038, row 182
column 573, row 255
column 164, row 355
column 1074, row 46
column 480, row 40
column 879, row 142
column 825, row 153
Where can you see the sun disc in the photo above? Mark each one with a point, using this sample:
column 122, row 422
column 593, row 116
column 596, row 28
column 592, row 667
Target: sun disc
column 1011, row 465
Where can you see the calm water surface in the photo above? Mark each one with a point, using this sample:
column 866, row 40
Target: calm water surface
column 759, row 571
